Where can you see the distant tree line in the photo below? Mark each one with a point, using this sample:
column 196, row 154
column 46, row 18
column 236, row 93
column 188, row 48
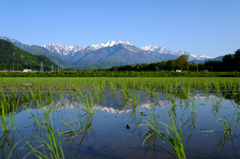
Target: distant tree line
column 180, row 63
column 231, row 62
column 17, row 66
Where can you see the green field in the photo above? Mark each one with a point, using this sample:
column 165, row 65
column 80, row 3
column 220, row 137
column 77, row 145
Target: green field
column 119, row 74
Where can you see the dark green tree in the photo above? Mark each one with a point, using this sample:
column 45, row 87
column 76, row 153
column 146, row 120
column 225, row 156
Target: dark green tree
column 228, row 62
column 193, row 67
column 182, row 62
column 170, row 65
column 152, row 67
column 237, row 60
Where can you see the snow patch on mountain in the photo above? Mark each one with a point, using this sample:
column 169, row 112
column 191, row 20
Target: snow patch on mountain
column 107, row 44
column 8, row 39
column 63, row 50
column 156, row 49
column 192, row 56
column 15, row 42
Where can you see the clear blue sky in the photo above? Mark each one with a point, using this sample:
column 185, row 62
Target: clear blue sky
column 202, row 27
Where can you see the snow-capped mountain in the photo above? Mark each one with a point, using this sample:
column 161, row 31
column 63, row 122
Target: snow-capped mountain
column 117, row 52
column 38, row 50
column 157, row 49
column 15, row 42
column 64, row 50
column 107, row 44
column 192, row 56
column 111, row 53
column 69, row 52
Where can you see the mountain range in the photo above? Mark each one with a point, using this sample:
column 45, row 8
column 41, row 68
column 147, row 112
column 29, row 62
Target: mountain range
column 105, row 55
column 38, row 50
column 10, row 55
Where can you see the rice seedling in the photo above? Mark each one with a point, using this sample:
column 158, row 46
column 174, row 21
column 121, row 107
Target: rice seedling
column 87, row 101
column 227, row 134
column 190, row 125
column 126, row 94
column 7, row 145
column 173, row 100
column 170, row 87
column 192, row 105
column 216, row 106
column 53, row 143
column 135, row 99
column 185, row 92
column 153, row 94
column 6, row 123
column 79, row 129
column 70, row 91
column 103, row 86
column 7, row 120
column 223, row 140
column 75, row 129
column 90, row 91
column 189, row 104
column 227, row 127
column 112, row 85
column 174, row 139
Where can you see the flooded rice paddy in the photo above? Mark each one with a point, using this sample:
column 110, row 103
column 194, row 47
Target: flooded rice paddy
column 120, row 118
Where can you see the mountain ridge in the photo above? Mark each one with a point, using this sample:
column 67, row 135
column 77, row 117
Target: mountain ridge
column 11, row 54
column 64, row 50
column 38, row 50
column 111, row 53
column 147, row 49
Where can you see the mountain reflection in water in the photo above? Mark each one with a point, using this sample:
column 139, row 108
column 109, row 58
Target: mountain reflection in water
column 103, row 133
